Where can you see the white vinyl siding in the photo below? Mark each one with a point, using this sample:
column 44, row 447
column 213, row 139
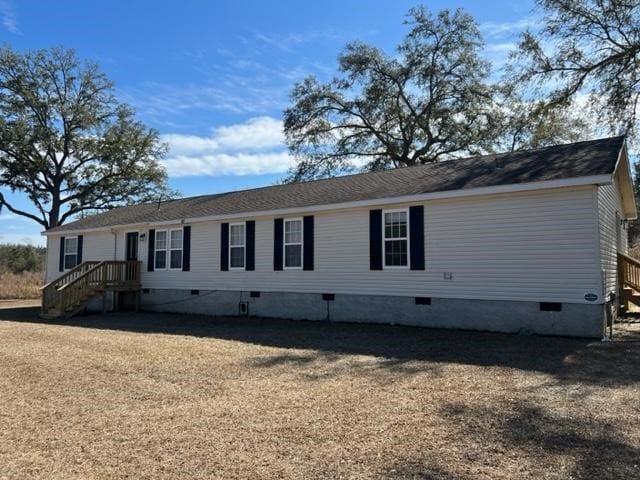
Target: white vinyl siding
column 531, row 246
column 95, row 246
column 613, row 235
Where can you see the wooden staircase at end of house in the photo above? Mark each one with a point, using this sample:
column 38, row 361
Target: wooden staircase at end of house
column 629, row 281
column 70, row 293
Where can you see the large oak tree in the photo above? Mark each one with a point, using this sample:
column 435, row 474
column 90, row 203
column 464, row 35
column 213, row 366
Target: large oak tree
column 588, row 48
column 67, row 142
column 525, row 123
column 429, row 101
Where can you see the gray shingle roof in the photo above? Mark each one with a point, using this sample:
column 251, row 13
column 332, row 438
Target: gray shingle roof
column 596, row 157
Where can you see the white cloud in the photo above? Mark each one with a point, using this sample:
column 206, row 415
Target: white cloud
column 250, row 76
column 253, row 147
column 157, row 101
column 505, row 47
column 228, row 164
column 189, row 144
column 498, row 53
column 260, row 132
column 291, row 40
column 9, row 17
column 502, row 38
column 257, row 133
column 509, row 29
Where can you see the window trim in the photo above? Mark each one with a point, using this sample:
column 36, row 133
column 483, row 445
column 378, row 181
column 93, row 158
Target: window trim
column 284, row 243
column 167, row 250
column 407, row 238
column 244, row 246
column 170, row 250
column 65, row 254
column 156, row 250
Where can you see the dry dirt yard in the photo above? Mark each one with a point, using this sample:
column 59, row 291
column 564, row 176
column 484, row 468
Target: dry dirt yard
column 168, row 396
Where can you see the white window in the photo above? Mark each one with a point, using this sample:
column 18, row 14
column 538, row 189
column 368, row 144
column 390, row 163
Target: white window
column 396, row 235
column 70, row 252
column 175, row 247
column 237, row 245
column 161, row 250
column 293, row 243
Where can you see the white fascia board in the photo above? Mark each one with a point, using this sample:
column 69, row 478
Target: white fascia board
column 623, row 167
column 511, row 188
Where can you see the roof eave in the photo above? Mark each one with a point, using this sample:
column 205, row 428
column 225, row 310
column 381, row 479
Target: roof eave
column 497, row 189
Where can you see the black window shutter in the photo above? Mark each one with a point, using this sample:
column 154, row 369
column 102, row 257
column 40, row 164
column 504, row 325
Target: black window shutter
column 79, row 261
column 375, row 239
column 250, row 245
column 278, row 232
column 61, row 266
column 152, row 247
column 186, row 248
column 416, row 237
column 307, row 242
column 224, row 247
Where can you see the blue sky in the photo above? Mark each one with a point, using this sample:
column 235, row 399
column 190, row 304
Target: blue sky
column 214, row 77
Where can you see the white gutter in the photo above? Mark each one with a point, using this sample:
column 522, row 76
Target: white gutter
column 521, row 187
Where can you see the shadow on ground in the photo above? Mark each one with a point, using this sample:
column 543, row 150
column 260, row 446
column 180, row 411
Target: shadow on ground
column 567, row 359
column 591, row 448
column 595, row 444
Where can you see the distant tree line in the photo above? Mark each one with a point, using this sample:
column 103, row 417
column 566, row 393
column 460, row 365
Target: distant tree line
column 21, row 258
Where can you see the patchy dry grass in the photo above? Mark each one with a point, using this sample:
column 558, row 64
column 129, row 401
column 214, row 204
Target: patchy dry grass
column 167, row 396
column 20, row 285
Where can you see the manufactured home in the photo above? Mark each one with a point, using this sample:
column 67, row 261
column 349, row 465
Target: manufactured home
column 530, row 242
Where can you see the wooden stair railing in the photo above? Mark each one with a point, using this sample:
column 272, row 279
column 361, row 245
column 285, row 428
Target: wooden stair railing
column 629, row 277
column 629, row 271
column 49, row 291
column 71, row 292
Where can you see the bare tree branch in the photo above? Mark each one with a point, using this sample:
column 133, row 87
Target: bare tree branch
column 594, row 50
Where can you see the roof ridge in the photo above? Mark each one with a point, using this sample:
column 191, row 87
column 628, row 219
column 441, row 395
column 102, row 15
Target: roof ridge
column 554, row 162
column 392, row 170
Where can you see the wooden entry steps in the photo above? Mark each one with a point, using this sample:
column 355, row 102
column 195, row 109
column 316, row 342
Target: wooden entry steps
column 629, row 281
column 70, row 293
